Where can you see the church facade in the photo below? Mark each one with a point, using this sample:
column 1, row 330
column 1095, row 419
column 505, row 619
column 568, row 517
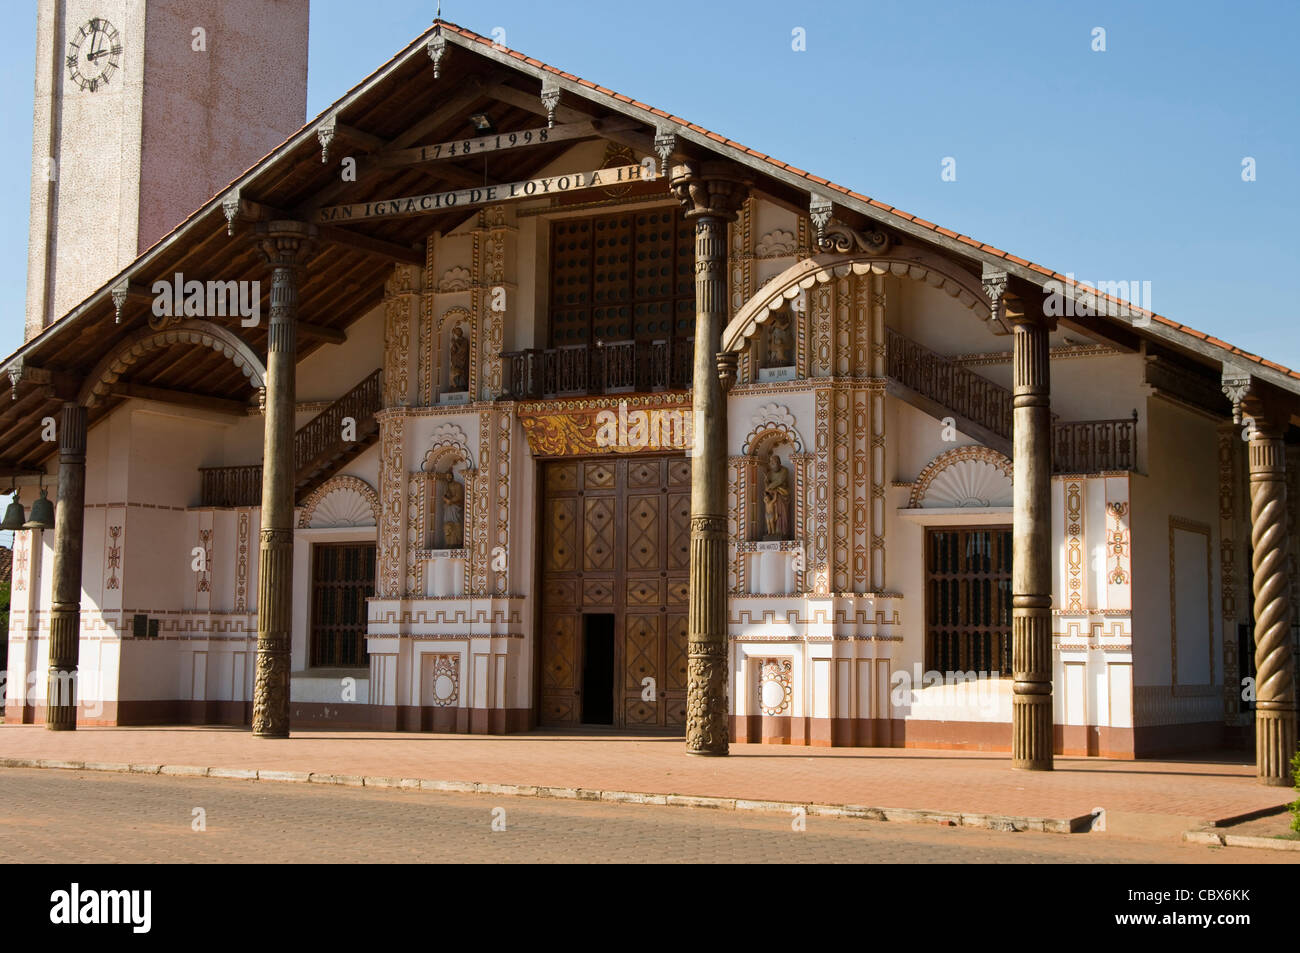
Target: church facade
column 490, row 392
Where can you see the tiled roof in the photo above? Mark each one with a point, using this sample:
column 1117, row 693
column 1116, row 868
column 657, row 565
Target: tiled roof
column 827, row 186
column 867, row 204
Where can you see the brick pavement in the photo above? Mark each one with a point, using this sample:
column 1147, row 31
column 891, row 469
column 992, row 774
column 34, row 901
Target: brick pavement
column 92, row 817
column 1183, row 792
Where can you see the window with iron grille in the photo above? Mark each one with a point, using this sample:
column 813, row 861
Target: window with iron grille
column 342, row 577
column 968, row 600
column 622, row 277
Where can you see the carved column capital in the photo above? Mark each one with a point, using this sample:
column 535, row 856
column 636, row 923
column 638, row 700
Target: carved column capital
column 712, row 189
column 1269, row 408
column 286, row 243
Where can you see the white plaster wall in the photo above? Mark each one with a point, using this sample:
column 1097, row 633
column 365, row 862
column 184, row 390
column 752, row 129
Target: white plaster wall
column 1182, row 482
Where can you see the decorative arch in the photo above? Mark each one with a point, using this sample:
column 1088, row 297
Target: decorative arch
column 916, row 264
column 772, row 420
column 456, row 314
column 203, row 333
column 964, row 476
column 343, row 501
column 449, row 444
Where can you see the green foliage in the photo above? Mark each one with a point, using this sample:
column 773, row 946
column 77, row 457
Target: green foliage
column 1295, row 805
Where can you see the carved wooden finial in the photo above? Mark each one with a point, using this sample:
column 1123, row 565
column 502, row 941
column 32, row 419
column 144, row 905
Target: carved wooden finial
column 550, row 99
column 325, row 135
column 437, row 48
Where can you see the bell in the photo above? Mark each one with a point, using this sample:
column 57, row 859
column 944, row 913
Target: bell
column 42, row 514
column 15, row 515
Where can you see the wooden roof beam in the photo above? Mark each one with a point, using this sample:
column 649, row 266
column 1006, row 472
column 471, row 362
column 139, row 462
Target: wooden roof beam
column 166, row 395
column 456, row 106
column 372, row 246
column 612, row 130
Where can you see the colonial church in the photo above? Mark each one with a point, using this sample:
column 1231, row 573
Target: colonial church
column 491, row 399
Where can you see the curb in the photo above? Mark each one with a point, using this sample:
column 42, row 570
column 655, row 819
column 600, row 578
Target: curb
column 992, row 822
column 1213, row 838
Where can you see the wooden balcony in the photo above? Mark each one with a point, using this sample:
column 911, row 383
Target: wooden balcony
column 1091, row 446
column 609, row 367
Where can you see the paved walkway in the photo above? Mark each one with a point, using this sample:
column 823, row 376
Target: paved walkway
column 1162, row 797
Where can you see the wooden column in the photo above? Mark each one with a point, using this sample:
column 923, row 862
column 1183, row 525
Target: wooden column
column 286, row 246
column 1275, row 677
column 1031, row 566
column 65, row 607
column 711, row 194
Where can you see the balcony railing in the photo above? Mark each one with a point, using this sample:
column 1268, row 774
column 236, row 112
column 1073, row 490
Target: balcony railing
column 316, row 445
column 231, row 486
column 610, row 367
column 1091, row 446
column 932, row 375
column 1086, row 446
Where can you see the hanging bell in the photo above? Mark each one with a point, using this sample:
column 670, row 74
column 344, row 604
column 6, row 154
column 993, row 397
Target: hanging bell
column 15, row 515
column 42, row 514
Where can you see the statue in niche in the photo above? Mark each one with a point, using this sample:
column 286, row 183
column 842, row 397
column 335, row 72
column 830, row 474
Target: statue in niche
column 458, row 351
column 776, row 499
column 780, row 342
column 453, row 513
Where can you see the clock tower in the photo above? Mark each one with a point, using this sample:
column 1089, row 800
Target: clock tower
column 144, row 110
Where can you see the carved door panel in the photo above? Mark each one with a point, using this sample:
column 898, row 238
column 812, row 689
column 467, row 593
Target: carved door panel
column 642, row 642
column 617, row 541
column 560, row 647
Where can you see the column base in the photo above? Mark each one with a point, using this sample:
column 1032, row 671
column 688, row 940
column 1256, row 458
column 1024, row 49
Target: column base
column 1275, row 745
column 1031, row 731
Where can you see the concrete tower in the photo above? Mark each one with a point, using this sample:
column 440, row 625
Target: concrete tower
column 144, row 110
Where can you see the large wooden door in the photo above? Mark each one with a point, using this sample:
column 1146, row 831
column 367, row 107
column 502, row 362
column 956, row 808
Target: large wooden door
column 616, row 541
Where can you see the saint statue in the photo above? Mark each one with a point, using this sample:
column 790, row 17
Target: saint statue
column 780, row 343
column 453, row 514
column 458, row 351
column 776, row 499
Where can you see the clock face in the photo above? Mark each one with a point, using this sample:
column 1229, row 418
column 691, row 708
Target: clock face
column 94, row 54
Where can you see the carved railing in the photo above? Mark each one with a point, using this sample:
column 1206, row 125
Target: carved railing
column 610, row 367
column 1091, row 446
column 1086, row 446
column 315, row 445
column 932, row 375
column 230, row 486
column 321, row 438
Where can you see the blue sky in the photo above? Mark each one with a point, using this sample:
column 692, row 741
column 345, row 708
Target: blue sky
column 1116, row 165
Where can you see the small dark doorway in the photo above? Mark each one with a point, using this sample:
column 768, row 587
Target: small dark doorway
column 598, row 669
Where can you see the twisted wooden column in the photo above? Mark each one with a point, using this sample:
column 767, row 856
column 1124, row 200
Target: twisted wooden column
column 711, row 195
column 286, row 246
column 1275, row 691
column 1031, row 568
column 65, row 607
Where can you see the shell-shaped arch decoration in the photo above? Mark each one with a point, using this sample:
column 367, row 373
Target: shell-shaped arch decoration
column 965, row 476
column 341, row 501
column 913, row 263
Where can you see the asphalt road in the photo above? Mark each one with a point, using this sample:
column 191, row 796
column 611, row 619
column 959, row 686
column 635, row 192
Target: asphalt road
column 55, row 816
